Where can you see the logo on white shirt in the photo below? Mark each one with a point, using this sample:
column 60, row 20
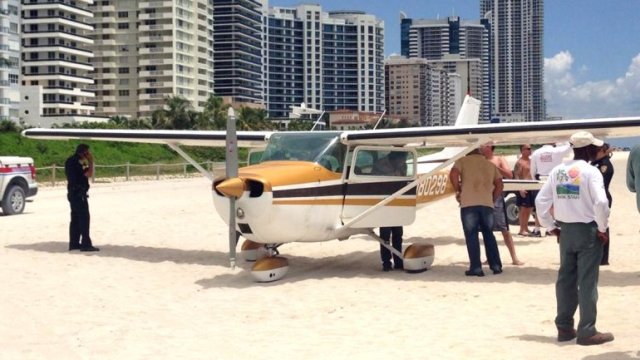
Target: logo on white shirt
column 568, row 183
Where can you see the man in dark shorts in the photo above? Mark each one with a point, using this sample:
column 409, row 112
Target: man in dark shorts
column 525, row 199
column 499, row 212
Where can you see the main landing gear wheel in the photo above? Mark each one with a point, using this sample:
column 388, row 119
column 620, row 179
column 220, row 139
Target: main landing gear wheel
column 512, row 210
column 270, row 268
column 418, row 257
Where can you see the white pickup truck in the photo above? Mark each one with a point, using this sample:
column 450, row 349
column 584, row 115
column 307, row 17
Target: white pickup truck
column 17, row 183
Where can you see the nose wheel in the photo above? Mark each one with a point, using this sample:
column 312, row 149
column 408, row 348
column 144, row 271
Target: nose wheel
column 270, row 267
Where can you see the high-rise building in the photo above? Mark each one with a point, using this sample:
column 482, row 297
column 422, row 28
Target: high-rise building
column 56, row 68
column 418, row 92
column 517, row 59
column 238, row 50
column 149, row 50
column 329, row 61
column 9, row 60
column 457, row 46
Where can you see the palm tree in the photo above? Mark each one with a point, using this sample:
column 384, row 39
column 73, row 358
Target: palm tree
column 177, row 114
column 214, row 115
column 252, row 119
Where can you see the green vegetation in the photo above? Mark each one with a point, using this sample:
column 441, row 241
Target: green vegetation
column 47, row 153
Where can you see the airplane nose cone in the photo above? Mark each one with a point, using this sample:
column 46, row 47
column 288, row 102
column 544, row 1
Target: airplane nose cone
column 233, row 187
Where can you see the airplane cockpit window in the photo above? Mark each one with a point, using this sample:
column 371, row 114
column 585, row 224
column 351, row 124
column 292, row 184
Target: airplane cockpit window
column 332, row 157
column 384, row 163
column 321, row 147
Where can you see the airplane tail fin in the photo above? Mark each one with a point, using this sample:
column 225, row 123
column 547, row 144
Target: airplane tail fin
column 469, row 112
column 468, row 115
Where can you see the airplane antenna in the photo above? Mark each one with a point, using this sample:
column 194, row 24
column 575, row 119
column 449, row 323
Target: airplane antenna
column 380, row 118
column 318, row 120
column 232, row 172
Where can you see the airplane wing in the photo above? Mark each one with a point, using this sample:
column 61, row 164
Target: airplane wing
column 501, row 134
column 434, row 137
column 173, row 137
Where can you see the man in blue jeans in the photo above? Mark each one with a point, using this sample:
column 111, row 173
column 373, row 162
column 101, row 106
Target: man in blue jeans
column 478, row 184
column 574, row 206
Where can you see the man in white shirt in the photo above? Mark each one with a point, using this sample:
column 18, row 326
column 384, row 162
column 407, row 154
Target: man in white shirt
column 543, row 160
column 573, row 205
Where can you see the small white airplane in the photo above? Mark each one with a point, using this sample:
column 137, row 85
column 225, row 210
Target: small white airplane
column 319, row 186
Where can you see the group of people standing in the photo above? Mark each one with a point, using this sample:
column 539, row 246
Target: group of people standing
column 573, row 204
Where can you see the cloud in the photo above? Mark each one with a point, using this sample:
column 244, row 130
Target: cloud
column 572, row 99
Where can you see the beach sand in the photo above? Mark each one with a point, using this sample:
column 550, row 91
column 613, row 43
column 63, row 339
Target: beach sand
column 161, row 288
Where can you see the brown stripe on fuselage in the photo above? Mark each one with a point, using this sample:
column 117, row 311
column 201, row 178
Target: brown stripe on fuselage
column 355, row 202
column 379, row 188
column 357, row 189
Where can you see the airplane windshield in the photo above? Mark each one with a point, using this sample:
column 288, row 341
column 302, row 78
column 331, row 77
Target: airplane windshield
column 321, row 147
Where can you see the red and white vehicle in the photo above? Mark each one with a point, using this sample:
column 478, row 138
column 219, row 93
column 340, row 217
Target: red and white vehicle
column 17, row 183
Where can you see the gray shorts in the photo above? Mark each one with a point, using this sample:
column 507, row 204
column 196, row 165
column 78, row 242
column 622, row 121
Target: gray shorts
column 500, row 215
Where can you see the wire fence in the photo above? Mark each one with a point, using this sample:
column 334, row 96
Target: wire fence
column 54, row 175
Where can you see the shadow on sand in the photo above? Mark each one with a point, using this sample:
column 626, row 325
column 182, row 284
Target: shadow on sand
column 359, row 264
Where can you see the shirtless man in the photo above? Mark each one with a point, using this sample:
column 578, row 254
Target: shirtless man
column 525, row 199
column 500, row 217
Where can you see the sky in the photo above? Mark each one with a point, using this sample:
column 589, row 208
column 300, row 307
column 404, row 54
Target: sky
column 591, row 47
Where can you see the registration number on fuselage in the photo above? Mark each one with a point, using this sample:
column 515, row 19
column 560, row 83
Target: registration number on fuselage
column 433, row 185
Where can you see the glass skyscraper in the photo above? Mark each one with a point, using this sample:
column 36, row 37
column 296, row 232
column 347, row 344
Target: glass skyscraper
column 517, row 59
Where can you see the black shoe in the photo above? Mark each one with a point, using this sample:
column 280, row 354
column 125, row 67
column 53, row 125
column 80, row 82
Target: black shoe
column 566, row 334
column 90, row 248
column 398, row 267
column 597, row 339
column 71, row 248
column 474, row 273
column 386, row 267
column 496, row 270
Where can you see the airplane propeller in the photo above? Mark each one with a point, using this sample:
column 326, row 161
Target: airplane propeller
column 231, row 165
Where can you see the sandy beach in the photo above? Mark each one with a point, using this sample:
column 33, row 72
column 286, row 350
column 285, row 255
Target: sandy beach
column 161, row 288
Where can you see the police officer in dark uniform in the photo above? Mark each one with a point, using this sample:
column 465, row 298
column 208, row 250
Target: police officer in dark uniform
column 603, row 163
column 79, row 168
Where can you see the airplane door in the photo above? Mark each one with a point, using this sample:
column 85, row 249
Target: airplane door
column 375, row 173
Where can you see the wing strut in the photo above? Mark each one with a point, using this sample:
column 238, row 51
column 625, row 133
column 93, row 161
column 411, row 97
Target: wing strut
column 191, row 161
column 412, row 184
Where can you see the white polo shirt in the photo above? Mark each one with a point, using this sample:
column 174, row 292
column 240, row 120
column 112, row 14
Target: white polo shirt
column 575, row 189
column 544, row 159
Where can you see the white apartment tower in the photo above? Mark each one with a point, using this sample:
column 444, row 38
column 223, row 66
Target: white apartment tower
column 419, row 92
column 9, row 60
column 56, row 62
column 517, row 59
column 149, row 50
